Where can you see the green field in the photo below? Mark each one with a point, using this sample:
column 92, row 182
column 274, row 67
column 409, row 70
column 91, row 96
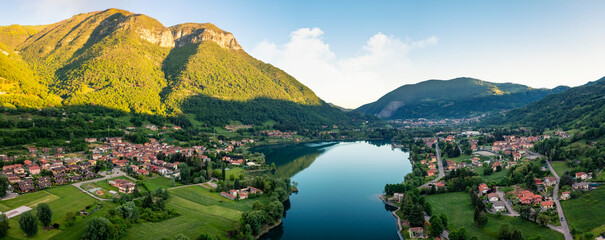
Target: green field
column 461, row 158
column 495, row 176
column 159, row 182
column 201, row 211
column 586, row 212
column 61, row 200
column 560, row 167
column 459, row 210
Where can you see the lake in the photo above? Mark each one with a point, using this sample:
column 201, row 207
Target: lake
column 339, row 184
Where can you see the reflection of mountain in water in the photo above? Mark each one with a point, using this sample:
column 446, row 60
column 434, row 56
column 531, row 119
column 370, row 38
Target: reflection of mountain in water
column 291, row 159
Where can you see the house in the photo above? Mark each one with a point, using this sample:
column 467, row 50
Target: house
column 580, row 186
column 26, row 186
column 440, row 184
column 527, row 197
column 124, row 186
column 499, row 206
column 581, row 175
column 547, row 205
column 430, row 173
column 496, row 165
column 549, row 181
column 416, row 232
column 565, row 195
column 493, row 197
column 483, row 188
column 142, row 172
column 398, row 196
column 34, row 169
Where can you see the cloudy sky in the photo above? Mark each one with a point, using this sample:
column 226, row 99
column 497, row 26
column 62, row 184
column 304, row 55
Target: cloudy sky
column 353, row 52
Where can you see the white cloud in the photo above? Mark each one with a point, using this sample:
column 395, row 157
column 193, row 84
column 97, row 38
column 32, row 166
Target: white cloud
column 349, row 82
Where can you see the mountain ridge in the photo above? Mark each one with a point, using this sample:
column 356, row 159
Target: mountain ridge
column 133, row 63
column 454, row 97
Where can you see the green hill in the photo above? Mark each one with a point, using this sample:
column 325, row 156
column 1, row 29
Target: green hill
column 455, row 98
column 576, row 108
column 131, row 62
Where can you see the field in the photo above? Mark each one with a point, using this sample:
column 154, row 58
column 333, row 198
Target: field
column 586, row 212
column 201, row 211
column 159, row 182
column 61, row 200
column 459, row 210
column 461, row 158
column 560, row 167
column 495, row 176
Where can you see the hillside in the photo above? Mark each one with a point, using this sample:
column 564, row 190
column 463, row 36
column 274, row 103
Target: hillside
column 455, row 98
column 133, row 63
column 578, row 107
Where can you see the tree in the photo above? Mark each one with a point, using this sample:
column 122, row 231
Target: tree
column 147, row 201
column 28, row 224
column 180, row 236
column 517, row 235
column 459, row 234
column 504, row 233
column 482, row 219
column 443, row 220
column 4, row 183
column 428, row 209
column 525, row 212
column 3, row 225
column 542, row 220
column 98, row 229
column 436, row 227
column 129, row 211
column 205, row 236
column 45, row 214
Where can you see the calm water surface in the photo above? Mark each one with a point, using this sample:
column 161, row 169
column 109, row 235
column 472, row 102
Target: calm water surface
column 339, row 185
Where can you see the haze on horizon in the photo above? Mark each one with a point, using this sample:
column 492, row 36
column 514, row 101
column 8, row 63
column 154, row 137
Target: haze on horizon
column 352, row 53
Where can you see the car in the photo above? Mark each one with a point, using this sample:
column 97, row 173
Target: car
column 562, row 219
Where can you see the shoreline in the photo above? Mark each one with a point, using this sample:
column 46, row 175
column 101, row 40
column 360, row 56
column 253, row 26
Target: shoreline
column 400, row 228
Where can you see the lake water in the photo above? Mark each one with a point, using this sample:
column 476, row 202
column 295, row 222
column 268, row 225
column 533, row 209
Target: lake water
column 339, row 184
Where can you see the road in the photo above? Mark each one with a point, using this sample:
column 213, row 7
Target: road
column 116, row 172
column 511, row 210
column 555, row 197
column 439, row 164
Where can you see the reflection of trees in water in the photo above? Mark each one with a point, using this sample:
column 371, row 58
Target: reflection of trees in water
column 293, row 158
column 389, row 208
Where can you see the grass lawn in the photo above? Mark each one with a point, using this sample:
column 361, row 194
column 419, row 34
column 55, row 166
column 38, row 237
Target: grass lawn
column 460, row 158
column 459, row 211
column 233, row 170
column 586, row 212
column 61, row 200
column 159, row 182
column 495, row 176
column 201, row 211
column 560, row 167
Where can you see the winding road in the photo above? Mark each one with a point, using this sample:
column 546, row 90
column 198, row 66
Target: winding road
column 555, row 196
column 439, row 164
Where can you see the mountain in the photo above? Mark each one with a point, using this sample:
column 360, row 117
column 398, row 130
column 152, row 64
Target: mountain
column 455, row 98
column 131, row 62
column 578, row 107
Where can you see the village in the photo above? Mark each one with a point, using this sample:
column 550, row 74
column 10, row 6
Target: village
column 508, row 177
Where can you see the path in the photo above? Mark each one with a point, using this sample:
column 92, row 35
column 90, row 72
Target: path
column 511, row 210
column 555, row 197
column 17, row 211
column 116, row 172
column 439, row 164
column 210, row 182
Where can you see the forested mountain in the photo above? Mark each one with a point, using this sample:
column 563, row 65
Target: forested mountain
column 576, row 108
column 131, row 62
column 455, row 98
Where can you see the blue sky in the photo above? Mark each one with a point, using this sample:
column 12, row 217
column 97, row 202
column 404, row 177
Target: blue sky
column 353, row 52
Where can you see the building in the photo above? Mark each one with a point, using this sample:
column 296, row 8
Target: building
column 430, row 173
column 549, row 181
column 483, row 188
column 565, row 195
column 580, row 186
column 547, row 205
column 499, row 206
column 124, row 186
column 492, row 197
column 416, row 232
column 581, row 175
